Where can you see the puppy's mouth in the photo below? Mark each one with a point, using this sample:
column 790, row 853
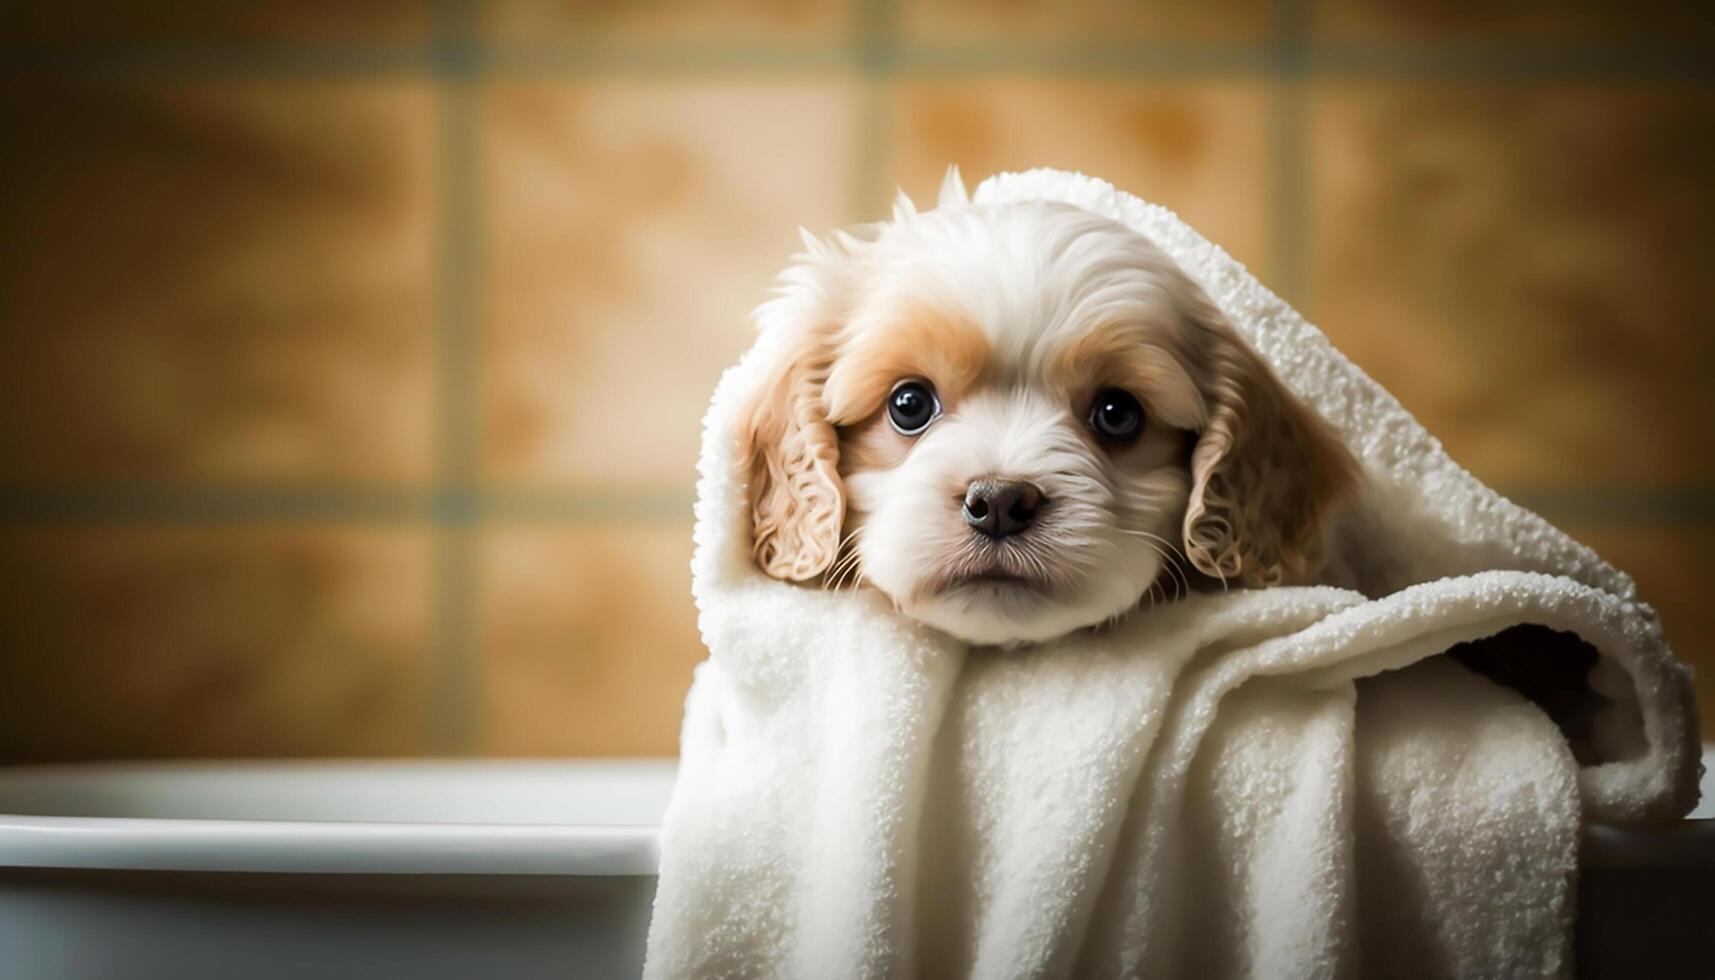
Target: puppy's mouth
column 991, row 580
column 993, row 576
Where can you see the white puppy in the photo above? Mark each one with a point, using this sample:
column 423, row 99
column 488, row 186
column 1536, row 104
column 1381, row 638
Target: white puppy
column 1022, row 420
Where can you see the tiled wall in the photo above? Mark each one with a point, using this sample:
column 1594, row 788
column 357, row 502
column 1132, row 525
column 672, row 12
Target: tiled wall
column 352, row 354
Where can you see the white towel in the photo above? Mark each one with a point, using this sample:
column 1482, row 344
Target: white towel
column 1282, row 782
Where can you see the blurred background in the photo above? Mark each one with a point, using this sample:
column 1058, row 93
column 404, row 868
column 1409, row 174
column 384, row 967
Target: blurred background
column 352, row 354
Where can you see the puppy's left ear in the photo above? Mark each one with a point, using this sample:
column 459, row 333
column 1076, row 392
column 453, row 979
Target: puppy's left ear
column 797, row 500
column 1266, row 469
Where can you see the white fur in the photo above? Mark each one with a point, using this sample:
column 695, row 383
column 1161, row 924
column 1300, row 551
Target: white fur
column 1032, row 276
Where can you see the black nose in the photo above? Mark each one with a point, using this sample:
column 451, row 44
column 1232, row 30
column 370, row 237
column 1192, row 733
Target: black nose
column 998, row 508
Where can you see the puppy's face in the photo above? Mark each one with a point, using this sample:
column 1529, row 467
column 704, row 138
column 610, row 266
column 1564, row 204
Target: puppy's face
column 1020, row 420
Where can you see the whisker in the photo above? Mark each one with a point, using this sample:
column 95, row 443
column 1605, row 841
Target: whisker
column 1174, row 558
column 1173, row 561
column 847, row 567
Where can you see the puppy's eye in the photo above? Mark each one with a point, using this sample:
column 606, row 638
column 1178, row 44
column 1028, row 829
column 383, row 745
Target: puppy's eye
column 1116, row 417
column 911, row 407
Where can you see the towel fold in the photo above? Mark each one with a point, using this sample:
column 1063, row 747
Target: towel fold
column 1277, row 782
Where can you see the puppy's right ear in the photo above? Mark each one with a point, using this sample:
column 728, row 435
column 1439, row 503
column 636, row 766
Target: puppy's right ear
column 797, row 501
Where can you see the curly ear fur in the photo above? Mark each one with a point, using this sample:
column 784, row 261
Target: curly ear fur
column 1265, row 471
column 797, row 500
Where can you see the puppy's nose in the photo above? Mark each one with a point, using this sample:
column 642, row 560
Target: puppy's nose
column 998, row 508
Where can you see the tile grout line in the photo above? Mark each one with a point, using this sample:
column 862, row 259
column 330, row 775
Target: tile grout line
column 874, row 44
column 453, row 669
column 1501, row 62
column 869, row 194
column 1288, row 151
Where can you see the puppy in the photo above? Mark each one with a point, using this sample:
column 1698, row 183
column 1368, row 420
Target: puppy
column 1022, row 420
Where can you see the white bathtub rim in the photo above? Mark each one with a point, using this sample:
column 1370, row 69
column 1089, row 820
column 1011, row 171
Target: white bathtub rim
column 300, row 847
column 295, row 847
column 613, row 844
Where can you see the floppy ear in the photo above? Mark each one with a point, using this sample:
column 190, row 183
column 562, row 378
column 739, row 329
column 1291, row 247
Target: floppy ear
column 797, row 501
column 1265, row 471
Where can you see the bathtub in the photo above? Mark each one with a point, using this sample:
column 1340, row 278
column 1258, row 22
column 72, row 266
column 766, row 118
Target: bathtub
column 326, row 871
column 487, row 870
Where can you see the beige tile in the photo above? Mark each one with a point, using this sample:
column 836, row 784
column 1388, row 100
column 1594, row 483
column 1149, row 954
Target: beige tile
column 1670, row 566
column 699, row 21
column 230, row 281
column 151, row 21
column 632, row 228
column 1527, row 269
column 1529, row 20
column 964, row 21
column 1200, row 149
column 589, row 637
column 139, row 642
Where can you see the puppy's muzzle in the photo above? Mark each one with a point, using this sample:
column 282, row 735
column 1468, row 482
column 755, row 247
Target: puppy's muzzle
column 1001, row 508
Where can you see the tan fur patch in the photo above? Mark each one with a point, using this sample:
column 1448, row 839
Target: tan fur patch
column 1136, row 359
column 872, row 445
column 948, row 351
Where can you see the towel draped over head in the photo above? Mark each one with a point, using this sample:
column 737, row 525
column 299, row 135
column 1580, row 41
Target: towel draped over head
column 1283, row 782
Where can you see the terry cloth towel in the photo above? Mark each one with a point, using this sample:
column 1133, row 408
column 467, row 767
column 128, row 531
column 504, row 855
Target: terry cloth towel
column 1281, row 782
